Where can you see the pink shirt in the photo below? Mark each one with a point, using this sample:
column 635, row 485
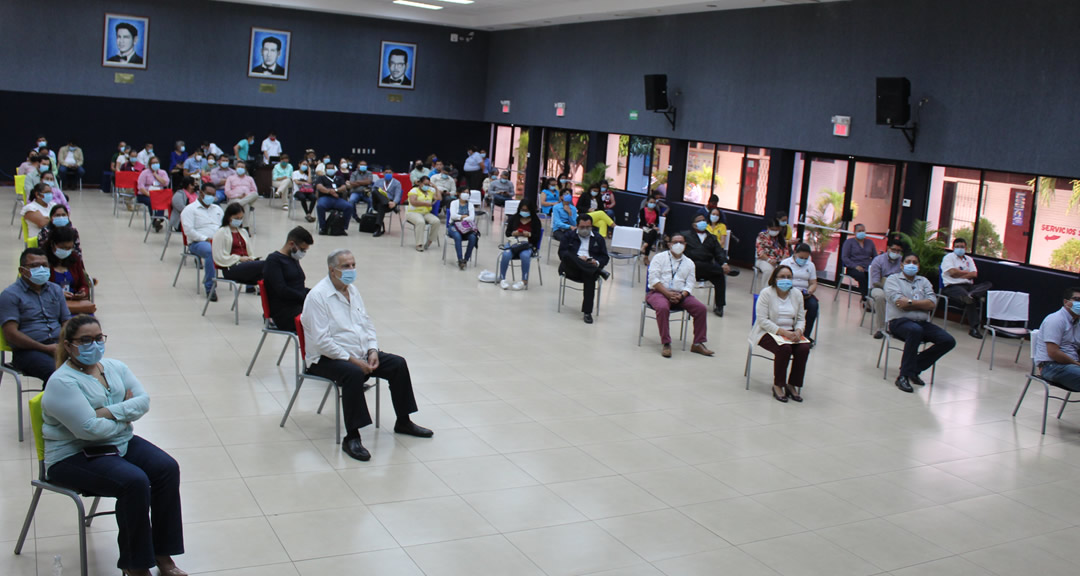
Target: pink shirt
column 147, row 180
column 237, row 186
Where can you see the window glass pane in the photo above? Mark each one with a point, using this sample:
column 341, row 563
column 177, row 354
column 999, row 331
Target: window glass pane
column 824, row 212
column 1004, row 216
column 729, row 161
column 699, row 172
column 521, row 152
column 661, row 162
column 503, row 147
column 796, row 192
column 1056, row 241
column 554, row 153
column 639, row 164
column 954, row 195
column 618, row 151
column 578, row 158
column 756, row 181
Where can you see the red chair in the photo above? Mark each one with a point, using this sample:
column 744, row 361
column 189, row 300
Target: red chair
column 303, row 374
column 270, row 328
column 125, row 185
column 160, row 201
column 183, row 260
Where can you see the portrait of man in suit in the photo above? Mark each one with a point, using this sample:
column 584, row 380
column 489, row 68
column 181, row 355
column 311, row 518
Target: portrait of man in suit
column 398, row 65
column 269, row 54
column 125, row 41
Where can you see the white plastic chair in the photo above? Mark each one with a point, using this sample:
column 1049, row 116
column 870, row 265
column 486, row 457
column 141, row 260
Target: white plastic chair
column 627, row 238
column 1005, row 306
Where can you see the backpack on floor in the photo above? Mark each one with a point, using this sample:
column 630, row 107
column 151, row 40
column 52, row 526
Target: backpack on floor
column 369, row 222
column 335, row 223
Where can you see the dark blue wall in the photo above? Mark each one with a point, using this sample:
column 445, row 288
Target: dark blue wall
column 1001, row 76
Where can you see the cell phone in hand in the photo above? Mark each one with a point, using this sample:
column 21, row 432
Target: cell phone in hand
column 92, row 452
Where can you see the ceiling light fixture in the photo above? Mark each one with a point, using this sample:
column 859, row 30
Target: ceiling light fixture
column 418, row 5
column 457, row 1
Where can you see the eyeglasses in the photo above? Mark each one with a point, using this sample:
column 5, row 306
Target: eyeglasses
column 99, row 339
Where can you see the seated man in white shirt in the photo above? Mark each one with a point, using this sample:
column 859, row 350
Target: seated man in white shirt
column 341, row 345
column 671, row 278
column 200, row 221
column 959, row 272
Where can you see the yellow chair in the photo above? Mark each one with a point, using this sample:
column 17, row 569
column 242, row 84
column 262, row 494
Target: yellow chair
column 42, row 483
column 20, row 196
column 7, row 367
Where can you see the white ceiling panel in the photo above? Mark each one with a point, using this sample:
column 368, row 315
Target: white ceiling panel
column 506, row 14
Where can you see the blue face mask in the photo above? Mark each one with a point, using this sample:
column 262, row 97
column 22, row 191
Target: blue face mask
column 42, row 144
column 363, row 168
column 714, row 218
column 801, row 261
column 240, row 170
column 960, row 251
column 567, row 197
column 784, row 284
column 236, row 223
column 90, row 354
column 911, row 269
column 47, row 197
column 43, row 168
column 563, row 181
column 155, row 167
column 348, row 277
column 700, row 226
column 524, row 214
column 860, row 235
column 388, row 176
column 40, row 275
column 1076, row 308
column 182, row 148
column 62, row 254
column 651, row 205
column 331, row 171
column 61, row 221
column 208, row 200
column 224, row 163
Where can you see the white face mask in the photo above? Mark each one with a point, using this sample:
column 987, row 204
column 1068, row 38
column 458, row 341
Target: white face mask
column 677, row 248
column 464, row 197
column 774, row 232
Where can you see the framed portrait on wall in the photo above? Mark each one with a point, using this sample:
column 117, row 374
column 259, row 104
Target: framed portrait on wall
column 397, row 65
column 268, row 55
column 126, row 42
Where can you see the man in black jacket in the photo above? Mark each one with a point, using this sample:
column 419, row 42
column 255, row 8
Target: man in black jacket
column 710, row 259
column 583, row 256
column 283, row 279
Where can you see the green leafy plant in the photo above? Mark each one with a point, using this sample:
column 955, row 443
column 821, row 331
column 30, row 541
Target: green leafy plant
column 1048, row 191
column 989, row 240
column 596, row 175
column 929, row 245
column 1067, row 257
column 828, row 212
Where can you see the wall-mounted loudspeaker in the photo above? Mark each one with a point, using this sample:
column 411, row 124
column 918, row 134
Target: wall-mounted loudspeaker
column 656, row 92
column 893, row 101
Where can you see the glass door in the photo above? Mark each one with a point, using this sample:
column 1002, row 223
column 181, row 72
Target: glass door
column 509, row 151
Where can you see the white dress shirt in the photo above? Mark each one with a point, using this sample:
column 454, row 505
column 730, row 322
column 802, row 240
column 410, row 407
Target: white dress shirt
column 270, row 148
column 676, row 274
column 201, row 222
column 144, row 157
column 951, row 261
column 334, row 326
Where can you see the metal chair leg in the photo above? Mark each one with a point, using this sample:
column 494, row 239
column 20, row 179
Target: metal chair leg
column 1064, row 404
column 1021, row 399
column 749, row 356
column 29, row 519
column 283, row 349
column 256, row 355
column 326, row 395
column 993, row 346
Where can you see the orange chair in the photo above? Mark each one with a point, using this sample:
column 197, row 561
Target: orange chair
column 270, row 328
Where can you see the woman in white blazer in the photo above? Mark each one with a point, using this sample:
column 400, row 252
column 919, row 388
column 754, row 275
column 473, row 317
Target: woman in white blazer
column 231, row 248
column 462, row 215
column 781, row 319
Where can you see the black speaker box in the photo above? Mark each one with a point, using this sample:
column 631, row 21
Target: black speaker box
column 893, row 101
column 656, row 92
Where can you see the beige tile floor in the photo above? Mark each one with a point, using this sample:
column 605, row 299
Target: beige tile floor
column 560, row 448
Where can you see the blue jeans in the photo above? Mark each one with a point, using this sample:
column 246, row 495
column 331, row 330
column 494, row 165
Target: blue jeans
column 471, row 238
column 330, row 203
column 357, row 197
column 34, row 363
column 914, row 333
column 504, row 262
column 145, row 482
column 203, row 250
column 1065, row 375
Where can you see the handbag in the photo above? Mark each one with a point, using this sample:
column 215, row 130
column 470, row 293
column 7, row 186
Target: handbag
column 465, row 227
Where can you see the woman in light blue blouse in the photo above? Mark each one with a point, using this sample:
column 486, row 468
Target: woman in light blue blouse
column 88, row 408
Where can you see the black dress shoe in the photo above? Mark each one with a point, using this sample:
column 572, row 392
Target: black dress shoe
column 605, row 274
column 355, row 449
column 412, row 429
column 879, row 335
column 916, row 380
column 378, row 233
column 588, row 318
column 213, row 296
column 719, row 311
column 902, row 383
column 733, row 273
column 974, row 333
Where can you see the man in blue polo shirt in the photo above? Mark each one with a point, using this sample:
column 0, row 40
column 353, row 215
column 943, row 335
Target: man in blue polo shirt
column 31, row 312
column 1057, row 350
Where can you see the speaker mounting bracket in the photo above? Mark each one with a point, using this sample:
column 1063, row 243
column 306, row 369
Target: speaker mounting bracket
column 910, row 133
column 671, row 114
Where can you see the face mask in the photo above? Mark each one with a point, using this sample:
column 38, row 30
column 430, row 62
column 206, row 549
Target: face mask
column 61, row 221
column 42, row 144
column 801, row 261
column 303, row 167
column 198, row 158
column 40, row 275
column 122, row 148
column 651, row 205
column 363, row 168
column 464, row 197
column 298, row 254
column 182, row 148
column 524, row 214
column 211, row 161
column 784, row 284
column 860, row 235
column 325, row 160
column 224, row 163
column 603, row 188
column 50, row 183
column 388, row 176
column 584, row 232
column 960, row 251
column 553, row 188
column 774, row 232
column 149, row 151
column 344, row 166
column 47, row 197
column 894, row 255
column 62, row 254
column 240, row 170
column 155, row 167
column 90, row 354
column 348, row 277
column 563, row 181
column 1076, row 308
column 714, row 218
column 483, row 154
column 677, row 248
column 567, row 197
column 43, row 168
column 700, row 226
column 236, row 223
column 911, row 269
column 331, row 171
column 133, row 159
column 208, row 200
column 783, row 222
column 284, row 163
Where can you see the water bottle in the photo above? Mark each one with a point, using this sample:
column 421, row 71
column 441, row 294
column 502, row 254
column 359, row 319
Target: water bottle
column 57, row 566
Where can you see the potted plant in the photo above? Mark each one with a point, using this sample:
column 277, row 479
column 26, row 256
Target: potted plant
column 929, row 245
column 596, row 175
column 827, row 213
